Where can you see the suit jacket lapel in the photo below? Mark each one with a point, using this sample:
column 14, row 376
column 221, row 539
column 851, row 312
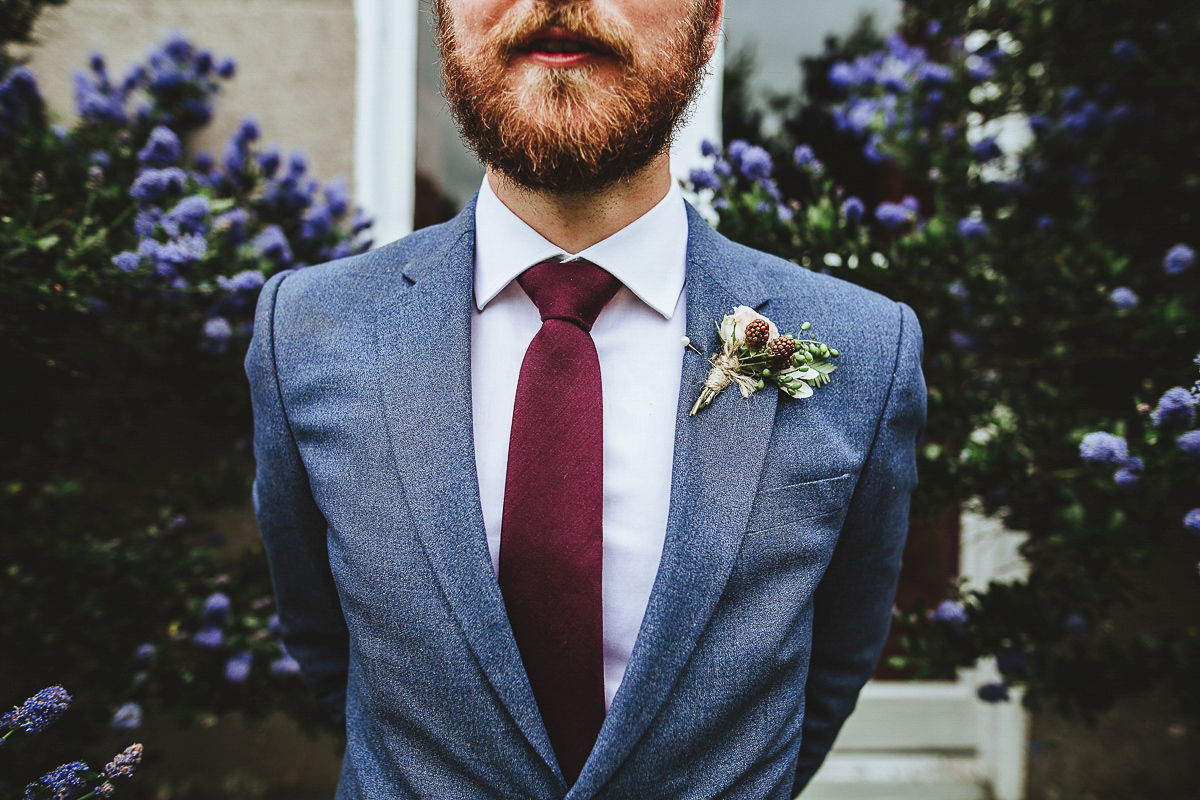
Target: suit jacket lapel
column 426, row 393
column 719, row 456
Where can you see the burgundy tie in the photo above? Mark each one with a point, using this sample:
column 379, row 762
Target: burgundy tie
column 551, row 536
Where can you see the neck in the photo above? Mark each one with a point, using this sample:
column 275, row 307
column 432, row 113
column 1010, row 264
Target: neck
column 575, row 222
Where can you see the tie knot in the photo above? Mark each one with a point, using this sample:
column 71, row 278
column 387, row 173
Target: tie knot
column 574, row 291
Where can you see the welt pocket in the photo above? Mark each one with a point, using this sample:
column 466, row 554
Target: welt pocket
column 774, row 507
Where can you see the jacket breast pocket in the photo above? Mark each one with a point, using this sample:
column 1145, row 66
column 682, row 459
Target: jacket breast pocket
column 800, row 501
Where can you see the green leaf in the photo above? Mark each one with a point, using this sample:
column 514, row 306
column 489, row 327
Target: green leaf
column 46, row 242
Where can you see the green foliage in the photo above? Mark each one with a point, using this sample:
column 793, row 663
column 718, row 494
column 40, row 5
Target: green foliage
column 1010, row 254
column 129, row 270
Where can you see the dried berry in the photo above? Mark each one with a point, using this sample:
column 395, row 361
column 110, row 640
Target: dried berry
column 781, row 348
column 757, row 332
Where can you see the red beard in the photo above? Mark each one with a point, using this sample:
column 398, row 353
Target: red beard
column 558, row 130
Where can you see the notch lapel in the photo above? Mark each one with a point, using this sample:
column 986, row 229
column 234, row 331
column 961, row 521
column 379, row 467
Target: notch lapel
column 427, row 402
column 718, row 459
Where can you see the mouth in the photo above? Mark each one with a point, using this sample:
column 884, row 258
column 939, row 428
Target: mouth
column 555, row 46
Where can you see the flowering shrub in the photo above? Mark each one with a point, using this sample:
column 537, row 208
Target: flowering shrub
column 1038, row 211
column 129, row 270
column 74, row 780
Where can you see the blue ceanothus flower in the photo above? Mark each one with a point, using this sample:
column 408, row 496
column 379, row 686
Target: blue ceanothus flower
column 853, row 210
column 65, row 781
column 237, row 666
column 701, row 178
column 39, row 711
column 216, row 608
column 154, row 185
column 751, row 160
column 127, row 717
column 972, row 228
column 163, row 149
column 273, row 245
column 1178, row 258
column 285, row 665
column 1189, row 443
column 949, row 612
column 1130, row 473
column 1104, row 449
column 1176, row 408
column 190, row 215
column 1123, row 298
column 893, row 215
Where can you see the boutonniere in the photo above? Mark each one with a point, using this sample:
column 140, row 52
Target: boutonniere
column 753, row 354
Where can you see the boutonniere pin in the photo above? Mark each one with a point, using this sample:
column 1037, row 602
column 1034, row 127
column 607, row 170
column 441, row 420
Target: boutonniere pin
column 753, row 354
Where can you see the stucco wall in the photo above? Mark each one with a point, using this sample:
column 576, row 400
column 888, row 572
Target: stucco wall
column 295, row 63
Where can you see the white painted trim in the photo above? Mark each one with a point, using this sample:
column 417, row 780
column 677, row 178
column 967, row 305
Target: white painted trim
column 385, row 115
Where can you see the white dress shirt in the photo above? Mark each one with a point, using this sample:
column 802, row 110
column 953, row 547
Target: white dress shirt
column 637, row 338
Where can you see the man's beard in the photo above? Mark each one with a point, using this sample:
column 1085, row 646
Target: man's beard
column 555, row 130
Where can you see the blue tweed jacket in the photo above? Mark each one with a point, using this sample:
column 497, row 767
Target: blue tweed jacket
column 775, row 588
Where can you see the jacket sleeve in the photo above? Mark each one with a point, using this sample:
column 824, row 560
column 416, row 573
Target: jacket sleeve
column 852, row 607
column 292, row 526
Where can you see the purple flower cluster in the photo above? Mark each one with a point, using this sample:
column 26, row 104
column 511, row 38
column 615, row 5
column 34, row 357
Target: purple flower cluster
column 65, row 781
column 237, row 666
column 950, row 613
column 1178, row 258
column 1104, row 449
column 805, row 158
column 750, row 160
column 38, row 712
column 897, row 68
column 701, row 178
column 180, row 80
column 1124, row 298
column 1080, row 118
column 893, row 215
column 216, row 608
column 163, row 149
column 972, row 228
column 189, row 221
column 1126, row 50
column 1176, row 408
column 285, row 665
column 896, row 87
column 123, row 763
column 19, row 96
column 1189, row 443
column 853, row 210
column 1130, row 473
column 209, row 636
column 986, row 150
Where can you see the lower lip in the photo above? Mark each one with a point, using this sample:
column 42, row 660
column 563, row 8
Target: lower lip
column 562, row 59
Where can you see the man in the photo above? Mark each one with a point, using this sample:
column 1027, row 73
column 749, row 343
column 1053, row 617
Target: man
column 501, row 547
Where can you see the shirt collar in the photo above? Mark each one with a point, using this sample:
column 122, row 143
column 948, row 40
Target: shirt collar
column 648, row 255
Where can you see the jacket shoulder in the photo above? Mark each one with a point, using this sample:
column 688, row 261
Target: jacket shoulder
column 398, row 259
